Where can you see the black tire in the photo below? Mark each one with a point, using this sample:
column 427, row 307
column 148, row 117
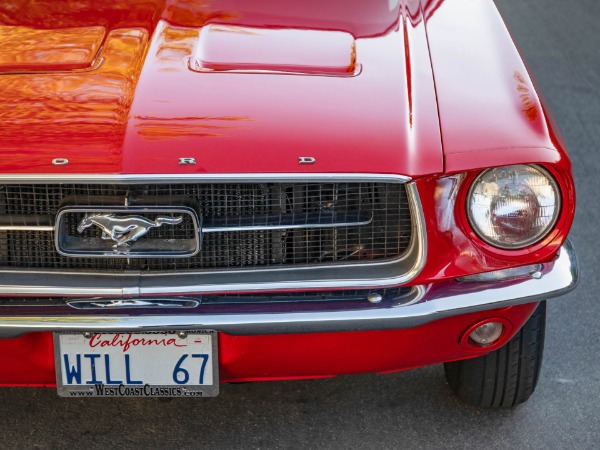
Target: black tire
column 505, row 377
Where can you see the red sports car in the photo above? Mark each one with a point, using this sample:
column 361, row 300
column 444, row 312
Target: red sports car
column 195, row 192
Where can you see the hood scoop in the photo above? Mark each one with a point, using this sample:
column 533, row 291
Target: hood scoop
column 288, row 51
column 28, row 49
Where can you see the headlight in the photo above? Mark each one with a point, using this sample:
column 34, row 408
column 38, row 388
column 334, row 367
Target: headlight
column 514, row 206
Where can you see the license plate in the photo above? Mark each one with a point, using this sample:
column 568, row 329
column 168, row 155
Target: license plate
column 137, row 364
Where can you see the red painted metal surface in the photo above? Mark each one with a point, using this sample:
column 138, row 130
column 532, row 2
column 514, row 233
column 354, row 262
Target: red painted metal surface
column 137, row 107
column 29, row 360
column 490, row 112
column 143, row 107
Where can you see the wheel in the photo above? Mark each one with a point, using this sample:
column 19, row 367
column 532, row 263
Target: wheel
column 505, row 377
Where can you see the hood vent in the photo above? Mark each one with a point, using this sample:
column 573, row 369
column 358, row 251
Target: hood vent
column 257, row 50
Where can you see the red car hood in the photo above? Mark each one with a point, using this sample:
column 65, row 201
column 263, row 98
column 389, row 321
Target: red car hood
column 134, row 87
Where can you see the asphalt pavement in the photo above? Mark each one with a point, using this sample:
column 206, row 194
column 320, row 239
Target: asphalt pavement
column 415, row 409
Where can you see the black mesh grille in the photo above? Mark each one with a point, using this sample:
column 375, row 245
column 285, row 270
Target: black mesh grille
column 386, row 236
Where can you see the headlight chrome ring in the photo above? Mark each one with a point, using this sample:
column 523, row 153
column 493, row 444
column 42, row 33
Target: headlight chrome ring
column 513, row 207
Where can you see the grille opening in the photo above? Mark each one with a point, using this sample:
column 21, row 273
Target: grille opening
column 387, row 236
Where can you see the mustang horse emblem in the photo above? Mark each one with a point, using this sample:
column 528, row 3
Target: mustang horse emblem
column 125, row 229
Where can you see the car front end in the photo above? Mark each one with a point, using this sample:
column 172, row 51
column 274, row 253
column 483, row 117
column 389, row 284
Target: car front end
column 372, row 189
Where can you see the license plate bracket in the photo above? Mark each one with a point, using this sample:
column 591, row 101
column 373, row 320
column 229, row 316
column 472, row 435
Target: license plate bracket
column 149, row 364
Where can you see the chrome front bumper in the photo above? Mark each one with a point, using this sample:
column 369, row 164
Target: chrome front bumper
column 423, row 304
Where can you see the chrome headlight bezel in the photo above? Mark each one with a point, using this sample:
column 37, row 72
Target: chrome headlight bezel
column 534, row 238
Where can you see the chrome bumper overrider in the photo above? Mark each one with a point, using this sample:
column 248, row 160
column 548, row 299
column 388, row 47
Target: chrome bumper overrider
column 422, row 305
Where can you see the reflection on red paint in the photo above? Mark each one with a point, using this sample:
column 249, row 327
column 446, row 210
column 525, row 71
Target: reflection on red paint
column 359, row 17
column 61, row 14
column 529, row 106
column 57, row 113
column 24, row 48
column 168, row 128
column 175, row 44
column 89, row 116
column 198, row 13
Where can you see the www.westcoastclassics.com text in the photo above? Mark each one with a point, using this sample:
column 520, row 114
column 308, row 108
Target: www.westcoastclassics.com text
column 101, row 390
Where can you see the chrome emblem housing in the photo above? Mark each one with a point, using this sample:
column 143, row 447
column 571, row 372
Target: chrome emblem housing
column 123, row 231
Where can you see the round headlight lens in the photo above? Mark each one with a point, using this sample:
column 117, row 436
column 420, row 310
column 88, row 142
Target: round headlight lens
column 514, row 206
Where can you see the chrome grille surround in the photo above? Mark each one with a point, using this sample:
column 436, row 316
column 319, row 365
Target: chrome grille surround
column 136, row 282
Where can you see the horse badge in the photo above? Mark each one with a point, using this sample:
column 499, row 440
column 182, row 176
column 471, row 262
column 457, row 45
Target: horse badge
column 124, row 230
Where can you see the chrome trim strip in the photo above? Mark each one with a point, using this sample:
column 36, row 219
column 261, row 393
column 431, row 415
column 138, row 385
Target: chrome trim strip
column 282, row 227
column 432, row 302
column 103, row 303
column 311, row 221
column 20, row 222
column 26, row 228
column 216, row 229
column 178, row 178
